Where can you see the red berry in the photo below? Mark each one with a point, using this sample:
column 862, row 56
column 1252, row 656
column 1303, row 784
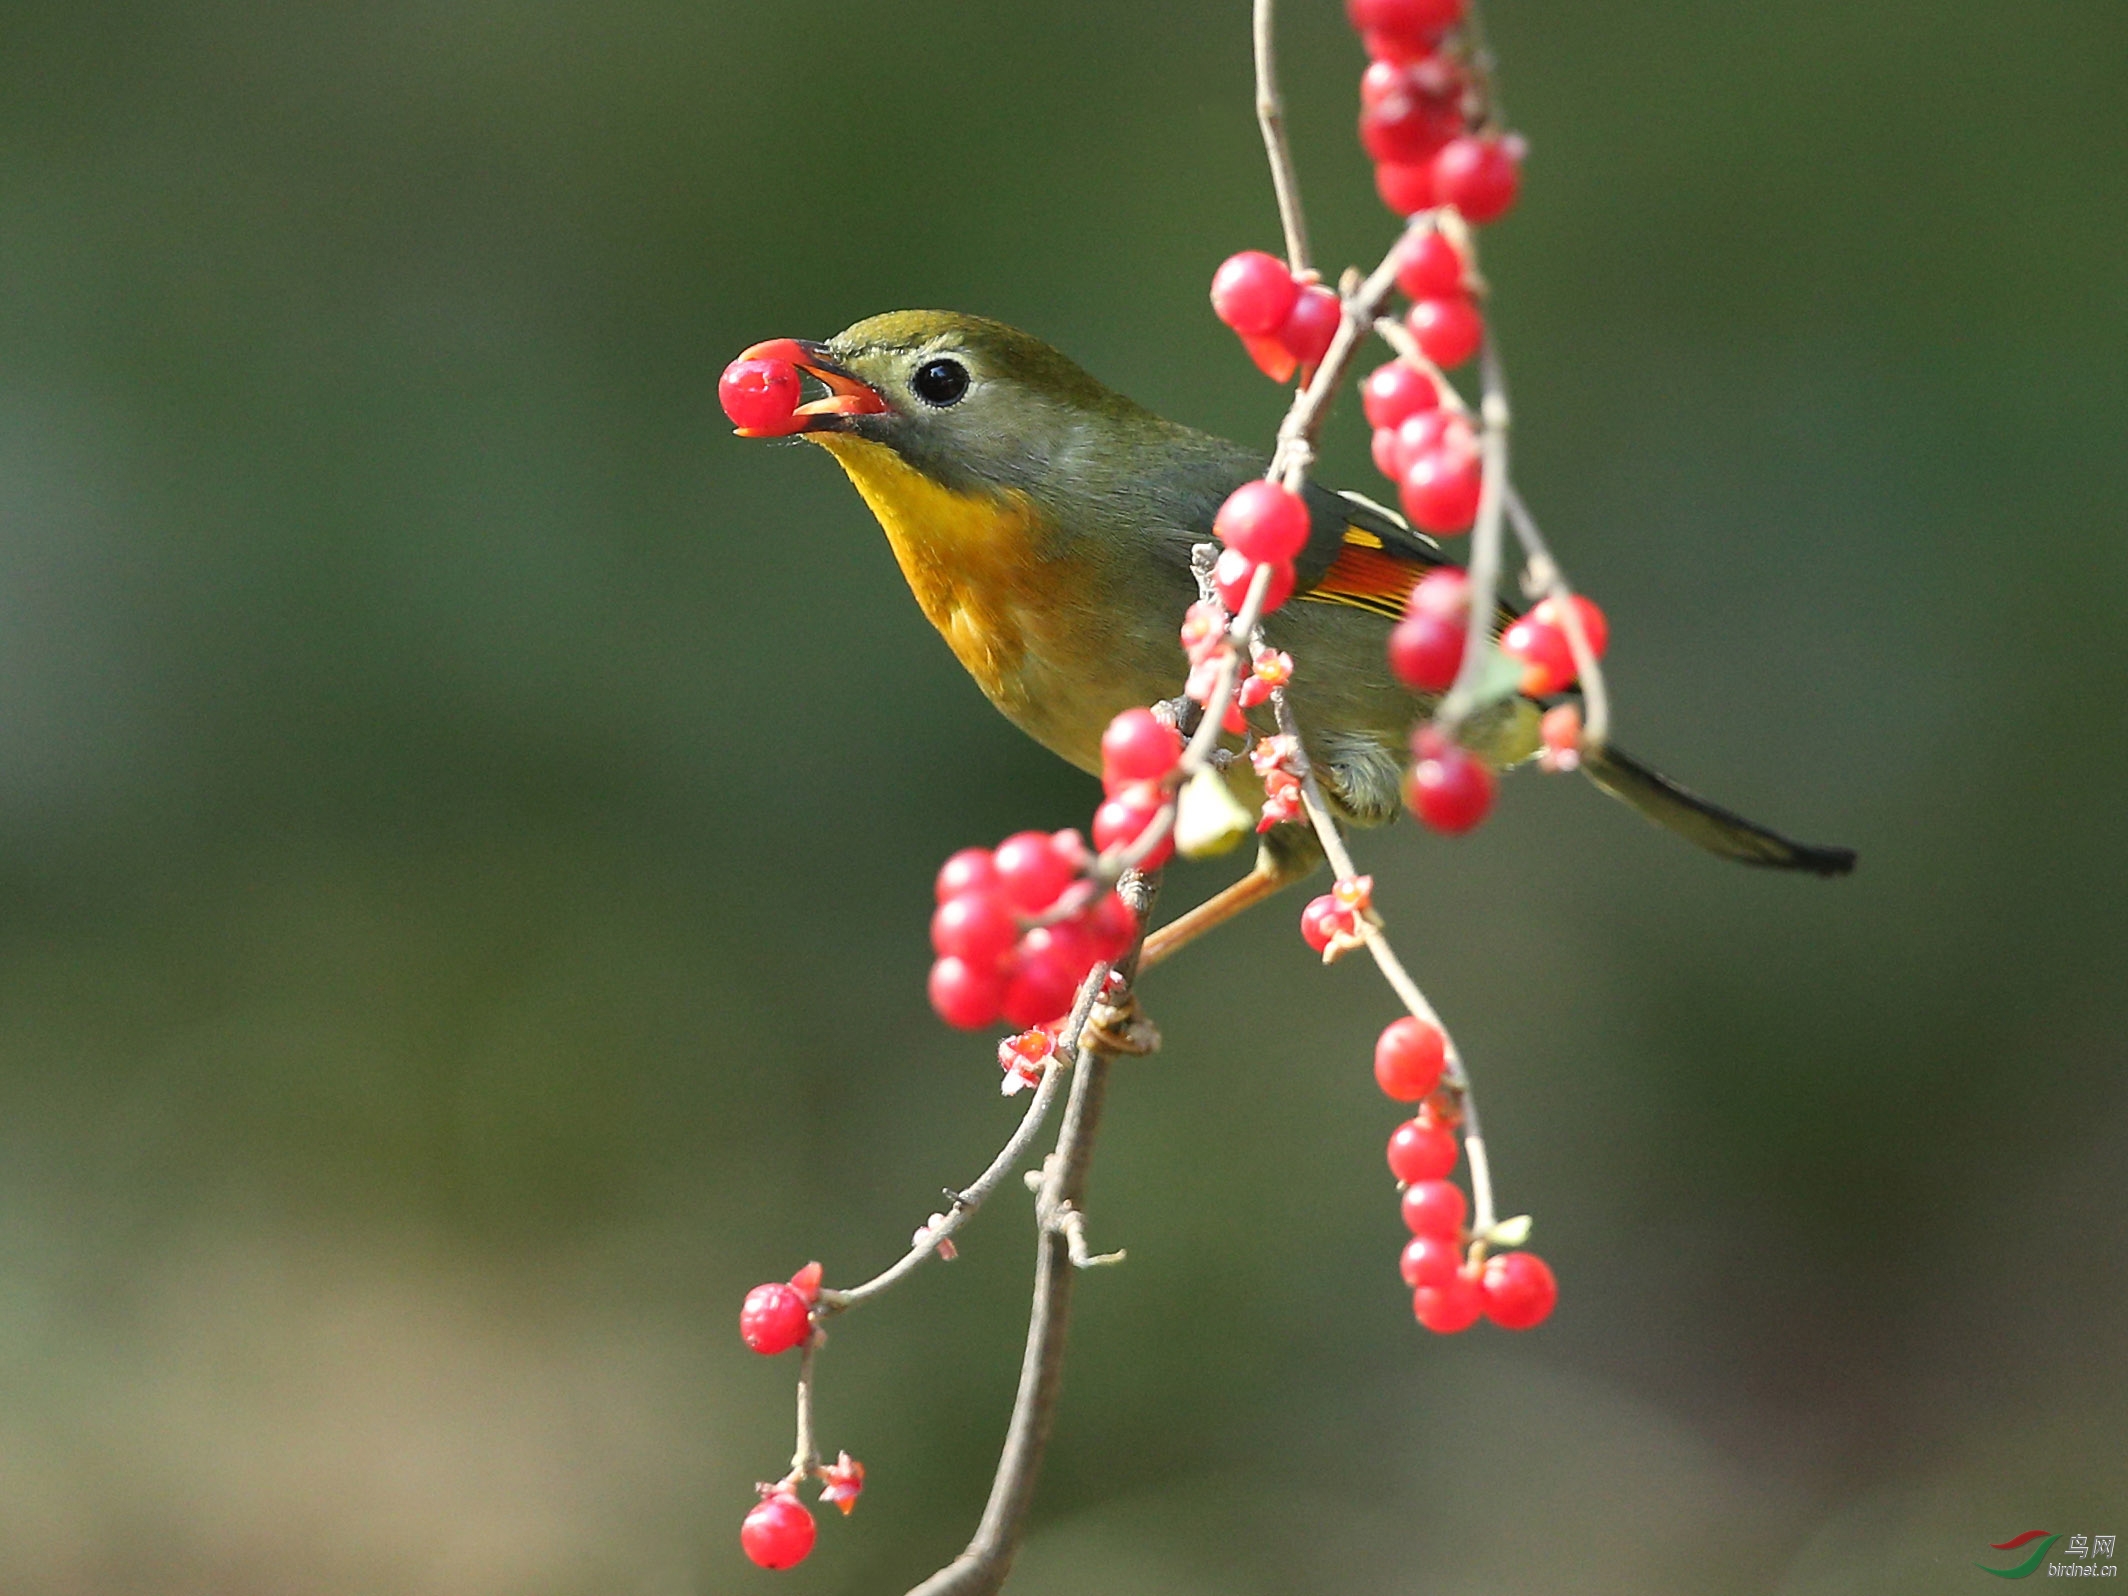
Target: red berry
column 966, row 996
column 1431, row 267
column 1432, row 76
column 1437, row 430
column 1072, row 849
column 975, row 926
column 774, row 1318
column 1426, row 651
column 1451, row 1306
column 1046, row 972
column 1110, row 928
column 1448, row 328
column 1440, row 487
column 1479, row 176
column 761, row 397
column 1429, row 429
column 1404, row 16
column 1561, row 729
column 970, row 870
column 1519, row 1290
column 1421, row 1149
column 1253, row 293
column 1234, row 571
column 1435, row 1208
column 1386, row 454
column 1409, row 116
column 1444, row 590
column 1272, row 357
column 1539, row 640
column 1430, row 1261
column 1311, row 325
column 1263, row 521
column 1031, row 873
column 1322, row 919
column 1393, row 393
column 778, row 1533
column 1409, row 1056
column 1138, row 746
column 1405, row 188
column 1119, row 821
column 1450, row 788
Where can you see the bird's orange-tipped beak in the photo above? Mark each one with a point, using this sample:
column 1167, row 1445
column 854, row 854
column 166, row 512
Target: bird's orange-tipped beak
column 847, row 395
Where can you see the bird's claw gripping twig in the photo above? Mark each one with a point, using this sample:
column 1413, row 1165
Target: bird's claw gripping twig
column 1121, row 1027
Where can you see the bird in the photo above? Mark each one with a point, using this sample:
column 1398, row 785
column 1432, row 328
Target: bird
column 1045, row 522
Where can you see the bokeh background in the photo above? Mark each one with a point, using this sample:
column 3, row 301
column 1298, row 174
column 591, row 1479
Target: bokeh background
column 466, row 821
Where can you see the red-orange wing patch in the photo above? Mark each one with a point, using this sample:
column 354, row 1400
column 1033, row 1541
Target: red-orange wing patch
column 1367, row 577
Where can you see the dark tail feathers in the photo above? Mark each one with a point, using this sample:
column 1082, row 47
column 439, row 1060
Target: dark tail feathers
column 1709, row 825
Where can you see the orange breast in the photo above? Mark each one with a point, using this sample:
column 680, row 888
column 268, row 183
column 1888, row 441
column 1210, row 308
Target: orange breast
column 978, row 568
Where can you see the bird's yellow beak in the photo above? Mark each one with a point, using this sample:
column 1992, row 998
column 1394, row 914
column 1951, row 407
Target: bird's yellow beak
column 847, row 395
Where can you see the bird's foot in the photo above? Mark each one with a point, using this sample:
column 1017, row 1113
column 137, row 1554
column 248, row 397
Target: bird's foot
column 1121, row 1027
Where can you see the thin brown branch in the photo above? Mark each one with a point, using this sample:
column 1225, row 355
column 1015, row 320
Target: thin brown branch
column 1311, row 406
column 1271, row 118
column 970, row 1198
column 980, row 1570
column 805, row 1455
column 1484, row 539
column 1393, row 971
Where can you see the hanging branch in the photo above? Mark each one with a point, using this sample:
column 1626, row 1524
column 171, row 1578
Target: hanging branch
column 1103, row 1022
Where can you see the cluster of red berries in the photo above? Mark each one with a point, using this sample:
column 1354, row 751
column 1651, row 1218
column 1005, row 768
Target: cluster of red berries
column 1139, row 756
column 1285, row 322
column 1448, row 787
column 996, row 959
column 1422, row 113
column 1450, row 1291
column 1010, row 941
column 760, row 397
column 1423, row 121
column 1424, row 439
column 1538, row 642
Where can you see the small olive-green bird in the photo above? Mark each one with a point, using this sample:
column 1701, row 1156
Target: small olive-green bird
column 1045, row 522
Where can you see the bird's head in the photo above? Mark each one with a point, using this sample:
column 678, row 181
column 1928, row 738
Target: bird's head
column 968, row 402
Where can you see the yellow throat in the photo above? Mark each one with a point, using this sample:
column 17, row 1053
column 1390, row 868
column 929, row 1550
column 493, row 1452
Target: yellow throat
column 973, row 562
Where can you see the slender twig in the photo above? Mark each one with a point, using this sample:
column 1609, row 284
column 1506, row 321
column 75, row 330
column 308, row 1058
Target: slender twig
column 1484, row 539
column 972, row 1197
column 1398, row 337
column 1393, row 971
column 965, row 1203
column 980, row 1570
column 1271, row 117
column 805, row 1452
column 1304, row 420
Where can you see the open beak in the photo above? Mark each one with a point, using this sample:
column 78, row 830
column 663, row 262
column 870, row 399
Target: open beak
column 847, row 395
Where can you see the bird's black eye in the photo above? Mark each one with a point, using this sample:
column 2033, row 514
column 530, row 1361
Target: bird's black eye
column 940, row 382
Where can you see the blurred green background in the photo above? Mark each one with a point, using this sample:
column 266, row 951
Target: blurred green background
column 466, row 821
